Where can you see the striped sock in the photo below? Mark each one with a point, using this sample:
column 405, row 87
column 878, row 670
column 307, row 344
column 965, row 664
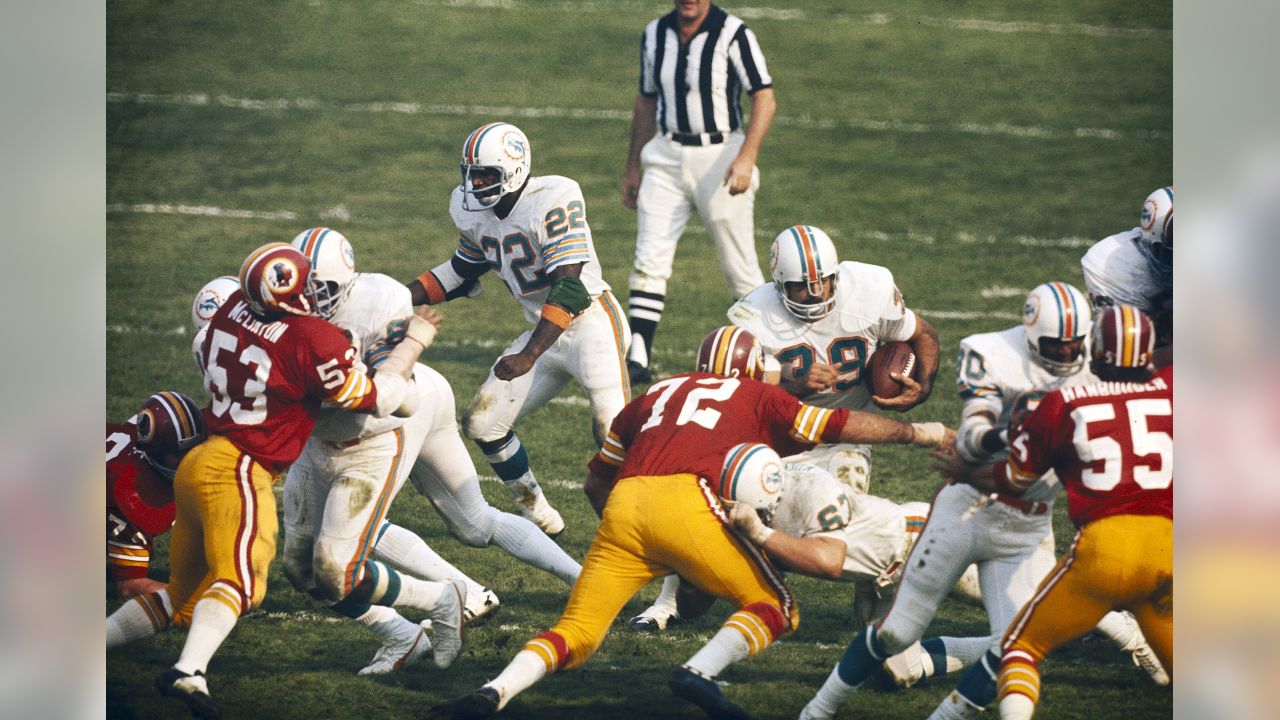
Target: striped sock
column 141, row 617
column 211, row 622
column 510, row 462
column 1019, row 685
column 644, row 312
column 525, row 669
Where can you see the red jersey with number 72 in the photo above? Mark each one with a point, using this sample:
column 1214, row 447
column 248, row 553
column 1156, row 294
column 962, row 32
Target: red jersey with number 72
column 267, row 379
column 687, row 423
column 1111, row 444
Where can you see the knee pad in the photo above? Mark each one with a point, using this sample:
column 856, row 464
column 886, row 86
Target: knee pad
column 892, row 639
column 476, row 422
column 329, row 574
column 297, row 565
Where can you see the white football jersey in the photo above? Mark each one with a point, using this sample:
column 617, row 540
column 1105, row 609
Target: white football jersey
column 1115, row 272
column 375, row 300
column 547, row 228
column 991, row 371
column 868, row 310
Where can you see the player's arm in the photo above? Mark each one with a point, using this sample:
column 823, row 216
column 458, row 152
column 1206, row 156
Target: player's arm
column 916, row 389
column 644, row 124
column 567, row 298
column 459, row 276
column 820, row 556
column 602, row 471
column 978, row 437
column 387, row 391
column 811, row 425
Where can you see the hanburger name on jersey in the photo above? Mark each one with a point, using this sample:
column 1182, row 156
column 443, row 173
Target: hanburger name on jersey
column 1104, row 389
column 270, row 332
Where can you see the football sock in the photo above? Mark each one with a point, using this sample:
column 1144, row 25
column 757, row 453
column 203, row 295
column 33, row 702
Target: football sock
column 644, row 312
column 525, row 669
column 665, row 603
column 975, row 691
column 944, row 655
column 386, row 623
column 511, row 464
column 393, row 589
column 211, row 622
column 955, row 707
column 410, row 554
column 525, row 542
column 727, row 646
column 140, row 617
column 1019, row 685
column 860, row 659
column 1016, row 707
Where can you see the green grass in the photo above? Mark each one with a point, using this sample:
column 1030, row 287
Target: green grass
column 879, row 192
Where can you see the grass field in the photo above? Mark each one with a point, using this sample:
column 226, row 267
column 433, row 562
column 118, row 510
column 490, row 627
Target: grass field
column 975, row 148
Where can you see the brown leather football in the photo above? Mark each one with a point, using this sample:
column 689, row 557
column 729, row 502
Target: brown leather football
column 889, row 357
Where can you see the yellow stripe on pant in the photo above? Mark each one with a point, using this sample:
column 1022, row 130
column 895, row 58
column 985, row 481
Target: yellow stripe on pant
column 653, row 526
column 224, row 535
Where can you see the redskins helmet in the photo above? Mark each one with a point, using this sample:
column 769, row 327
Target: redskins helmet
column 277, row 278
column 752, row 474
column 1156, row 224
column 168, row 423
column 210, row 298
column 496, row 146
column 1055, row 312
column 732, row 352
column 333, row 264
column 1122, row 338
column 803, row 253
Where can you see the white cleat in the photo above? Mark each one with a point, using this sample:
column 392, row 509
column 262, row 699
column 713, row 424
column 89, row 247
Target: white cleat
column 906, row 668
column 448, row 623
column 538, row 511
column 652, row 620
column 400, row 654
column 811, row 712
column 480, row 606
column 1145, row 658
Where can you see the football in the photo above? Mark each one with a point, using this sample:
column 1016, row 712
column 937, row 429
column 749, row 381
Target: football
column 891, row 357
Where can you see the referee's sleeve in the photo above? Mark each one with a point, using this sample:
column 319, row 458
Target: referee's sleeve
column 748, row 61
column 648, row 86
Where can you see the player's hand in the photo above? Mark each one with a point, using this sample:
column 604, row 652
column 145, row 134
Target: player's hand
column 820, row 377
column 510, row 367
column 631, row 187
column 747, row 520
column 950, row 466
column 913, row 393
column 138, row 586
column 933, row 435
column 738, row 175
column 431, row 315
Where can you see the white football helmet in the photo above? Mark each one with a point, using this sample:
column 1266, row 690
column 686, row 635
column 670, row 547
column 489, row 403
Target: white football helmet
column 752, row 474
column 803, row 253
column 496, row 146
column 333, row 264
column 1056, row 312
column 210, row 298
column 1156, row 223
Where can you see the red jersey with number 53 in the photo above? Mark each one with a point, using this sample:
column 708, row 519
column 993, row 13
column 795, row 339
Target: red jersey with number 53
column 267, row 379
column 686, row 424
column 1111, row 444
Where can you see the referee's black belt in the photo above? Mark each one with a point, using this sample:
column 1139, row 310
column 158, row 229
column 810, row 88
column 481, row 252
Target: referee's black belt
column 714, row 138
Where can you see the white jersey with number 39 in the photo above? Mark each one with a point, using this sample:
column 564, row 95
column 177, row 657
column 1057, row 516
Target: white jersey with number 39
column 868, row 311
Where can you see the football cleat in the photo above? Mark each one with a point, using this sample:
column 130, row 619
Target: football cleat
column 652, row 620
column 399, row 655
column 638, row 374
column 538, row 511
column 448, row 623
column 192, row 690
column 480, row 606
column 1145, row 658
column 475, row 705
column 703, row 692
column 906, row 668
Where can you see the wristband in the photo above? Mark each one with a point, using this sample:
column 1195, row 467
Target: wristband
column 435, row 291
column 556, row 315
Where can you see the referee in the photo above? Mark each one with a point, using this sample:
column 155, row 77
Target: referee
column 687, row 135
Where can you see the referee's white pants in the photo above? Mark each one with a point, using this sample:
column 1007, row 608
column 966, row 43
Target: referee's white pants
column 677, row 180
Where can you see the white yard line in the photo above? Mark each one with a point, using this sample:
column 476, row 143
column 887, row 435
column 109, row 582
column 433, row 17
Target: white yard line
column 514, row 111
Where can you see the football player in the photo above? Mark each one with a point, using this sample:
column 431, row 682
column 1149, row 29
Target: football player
column 1004, row 534
column 533, row 232
column 142, row 457
column 353, row 455
column 1112, row 446
column 660, row 514
column 1135, row 267
column 269, row 361
column 822, row 319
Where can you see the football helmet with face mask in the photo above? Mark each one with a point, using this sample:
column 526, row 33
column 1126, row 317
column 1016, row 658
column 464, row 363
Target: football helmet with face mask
column 1055, row 320
column 276, row 278
column 731, row 352
column 495, row 163
column 333, row 264
column 1122, row 337
column 210, row 298
column 804, row 254
column 752, row 474
column 168, row 424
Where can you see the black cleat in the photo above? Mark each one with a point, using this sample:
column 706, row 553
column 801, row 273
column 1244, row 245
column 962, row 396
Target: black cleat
column 638, row 373
column 190, row 689
column 704, row 693
column 475, row 705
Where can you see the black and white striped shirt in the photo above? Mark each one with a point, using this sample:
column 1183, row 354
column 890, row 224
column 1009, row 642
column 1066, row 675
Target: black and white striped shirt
column 699, row 85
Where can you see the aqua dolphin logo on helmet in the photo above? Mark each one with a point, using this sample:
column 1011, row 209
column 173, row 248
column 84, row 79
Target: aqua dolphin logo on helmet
column 495, row 163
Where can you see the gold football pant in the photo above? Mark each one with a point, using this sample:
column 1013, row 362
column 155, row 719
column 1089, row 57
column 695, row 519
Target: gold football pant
column 224, row 535
column 654, row 526
column 1123, row 562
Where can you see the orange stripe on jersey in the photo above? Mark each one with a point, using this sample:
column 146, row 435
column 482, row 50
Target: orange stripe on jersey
column 614, row 311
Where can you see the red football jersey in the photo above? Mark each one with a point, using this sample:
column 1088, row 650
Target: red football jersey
column 1110, row 443
column 139, row 505
column 267, row 380
column 687, row 423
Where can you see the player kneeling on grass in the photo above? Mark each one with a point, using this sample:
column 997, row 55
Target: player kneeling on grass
column 269, row 360
column 660, row 514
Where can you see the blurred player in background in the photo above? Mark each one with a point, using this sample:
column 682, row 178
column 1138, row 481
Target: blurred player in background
column 1008, row 536
column 1135, row 267
column 822, row 319
column 533, row 232
column 660, row 515
column 269, row 362
column 690, row 151
column 1112, row 446
column 142, row 457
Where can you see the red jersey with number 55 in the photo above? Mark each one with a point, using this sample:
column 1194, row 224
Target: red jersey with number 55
column 686, row 424
column 1111, row 444
column 267, row 379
